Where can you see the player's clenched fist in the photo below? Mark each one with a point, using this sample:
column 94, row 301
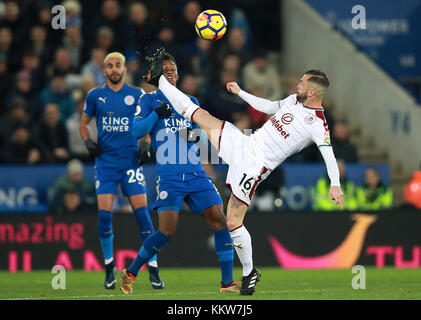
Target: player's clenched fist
column 336, row 195
column 93, row 148
column 233, row 87
column 163, row 111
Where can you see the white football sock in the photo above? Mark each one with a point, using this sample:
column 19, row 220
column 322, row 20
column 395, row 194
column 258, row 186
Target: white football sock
column 181, row 103
column 241, row 240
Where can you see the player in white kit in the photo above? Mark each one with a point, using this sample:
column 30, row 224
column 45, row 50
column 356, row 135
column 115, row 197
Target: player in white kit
column 297, row 121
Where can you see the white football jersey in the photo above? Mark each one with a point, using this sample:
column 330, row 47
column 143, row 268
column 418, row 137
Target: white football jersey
column 292, row 128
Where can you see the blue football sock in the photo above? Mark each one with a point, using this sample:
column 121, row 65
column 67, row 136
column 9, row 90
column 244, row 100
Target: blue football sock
column 225, row 253
column 105, row 231
column 151, row 247
column 145, row 226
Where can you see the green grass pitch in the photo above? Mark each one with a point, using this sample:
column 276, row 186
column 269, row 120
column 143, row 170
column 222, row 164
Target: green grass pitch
column 203, row 284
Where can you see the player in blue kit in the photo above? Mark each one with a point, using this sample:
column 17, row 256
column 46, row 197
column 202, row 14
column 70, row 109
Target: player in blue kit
column 116, row 160
column 180, row 177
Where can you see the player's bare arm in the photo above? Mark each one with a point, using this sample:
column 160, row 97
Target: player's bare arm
column 83, row 128
column 92, row 146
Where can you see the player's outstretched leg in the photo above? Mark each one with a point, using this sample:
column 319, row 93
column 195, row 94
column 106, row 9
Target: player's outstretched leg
column 183, row 105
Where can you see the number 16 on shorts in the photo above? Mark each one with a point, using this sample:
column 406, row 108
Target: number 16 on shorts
column 246, row 184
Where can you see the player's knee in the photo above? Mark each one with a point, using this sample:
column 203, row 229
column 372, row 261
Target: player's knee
column 168, row 232
column 218, row 224
column 233, row 223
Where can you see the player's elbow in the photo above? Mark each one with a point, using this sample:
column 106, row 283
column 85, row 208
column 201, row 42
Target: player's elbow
column 138, row 133
column 140, row 129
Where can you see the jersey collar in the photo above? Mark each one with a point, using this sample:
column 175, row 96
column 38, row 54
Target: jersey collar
column 122, row 88
column 312, row 108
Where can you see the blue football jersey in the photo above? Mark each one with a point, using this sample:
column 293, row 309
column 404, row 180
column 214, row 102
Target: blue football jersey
column 174, row 154
column 114, row 112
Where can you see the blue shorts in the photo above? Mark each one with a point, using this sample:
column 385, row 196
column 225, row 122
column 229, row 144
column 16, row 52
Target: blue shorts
column 132, row 181
column 196, row 189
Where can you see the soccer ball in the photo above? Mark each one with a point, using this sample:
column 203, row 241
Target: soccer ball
column 211, row 25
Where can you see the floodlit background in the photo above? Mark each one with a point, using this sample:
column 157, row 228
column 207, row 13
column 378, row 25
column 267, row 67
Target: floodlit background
column 370, row 51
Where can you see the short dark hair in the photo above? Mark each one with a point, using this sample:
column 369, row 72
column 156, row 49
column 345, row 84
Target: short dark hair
column 169, row 57
column 318, row 77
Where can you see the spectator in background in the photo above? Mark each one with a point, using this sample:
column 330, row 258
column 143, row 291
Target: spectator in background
column 5, row 83
column 373, row 194
column 17, row 114
column 112, row 18
column 258, row 73
column 321, row 197
column 105, row 39
column 62, row 62
column 73, row 13
column 17, row 23
column 87, row 82
column 57, row 92
column 200, row 63
column 22, row 148
column 344, row 149
column 133, row 73
column 73, row 42
column 95, row 66
column 31, row 63
column 72, row 181
column 53, row 37
column 190, row 86
column 77, row 147
column 52, row 132
column 220, row 102
column 236, row 43
column 24, row 90
column 39, row 45
column 72, row 203
column 13, row 58
column 185, row 24
column 232, row 62
column 141, row 31
column 412, row 192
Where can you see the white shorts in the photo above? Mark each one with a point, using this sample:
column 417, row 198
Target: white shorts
column 245, row 170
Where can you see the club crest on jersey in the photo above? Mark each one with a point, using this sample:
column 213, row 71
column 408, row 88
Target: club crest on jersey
column 310, row 119
column 129, row 100
column 287, row 118
column 163, row 195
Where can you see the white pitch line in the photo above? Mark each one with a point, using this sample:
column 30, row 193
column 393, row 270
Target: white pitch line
column 160, row 294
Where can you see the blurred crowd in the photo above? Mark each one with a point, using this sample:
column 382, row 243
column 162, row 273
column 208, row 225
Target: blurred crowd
column 45, row 73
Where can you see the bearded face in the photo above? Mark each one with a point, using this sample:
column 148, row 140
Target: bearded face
column 115, row 77
column 301, row 97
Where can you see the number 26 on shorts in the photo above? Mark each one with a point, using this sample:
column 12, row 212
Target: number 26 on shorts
column 136, row 176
